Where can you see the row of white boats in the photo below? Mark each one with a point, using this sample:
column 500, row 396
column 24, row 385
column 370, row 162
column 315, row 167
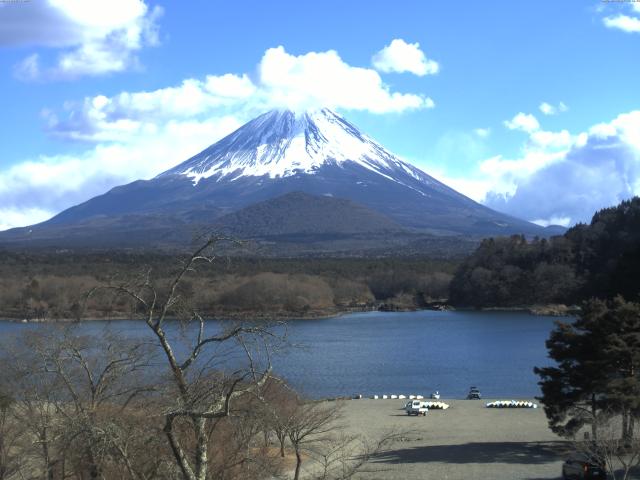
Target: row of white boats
column 436, row 405
column 396, row 397
column 511, row 404
column 443, row 406
column 419, row 407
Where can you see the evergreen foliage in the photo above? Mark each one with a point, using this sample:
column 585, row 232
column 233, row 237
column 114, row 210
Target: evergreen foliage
column 601, row 259
column 597, row 372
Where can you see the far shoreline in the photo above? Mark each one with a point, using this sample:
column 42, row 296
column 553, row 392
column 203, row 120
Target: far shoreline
column 551, row 310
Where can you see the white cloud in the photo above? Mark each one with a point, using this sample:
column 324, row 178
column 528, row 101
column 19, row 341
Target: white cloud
column 136, row 135
column 92, row 38
column 29, row 68
column 313, row 80
column 551, row 140
column 524, row 122
column 9, row 217
column 626, row 23
column 623, row 22
column 33, row 190
column 559, row 177
column 130, row 114
column 548, row 109
column 230, row 86
column 400, row 56
column 562, row 221
column 475, row 188
column 318, row 79
column 562, row 178
column 482, row 132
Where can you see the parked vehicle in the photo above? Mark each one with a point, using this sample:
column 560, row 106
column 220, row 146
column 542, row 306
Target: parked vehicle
column 580, row 466
column 474, row 394
column 416, row 407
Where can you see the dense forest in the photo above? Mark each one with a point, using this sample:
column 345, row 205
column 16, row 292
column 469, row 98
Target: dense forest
column 52, row 285
column 601, row 259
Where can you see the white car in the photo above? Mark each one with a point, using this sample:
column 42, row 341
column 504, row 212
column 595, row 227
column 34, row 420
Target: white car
column 416, row 407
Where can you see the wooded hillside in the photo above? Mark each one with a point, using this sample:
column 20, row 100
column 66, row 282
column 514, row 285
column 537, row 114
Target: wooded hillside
column 601, row 259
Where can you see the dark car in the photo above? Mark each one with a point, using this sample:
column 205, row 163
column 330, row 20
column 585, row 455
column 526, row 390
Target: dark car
column 474, row 394
column 581, row 466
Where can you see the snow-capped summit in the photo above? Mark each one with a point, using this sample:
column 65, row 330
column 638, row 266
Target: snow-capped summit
column 283, row 143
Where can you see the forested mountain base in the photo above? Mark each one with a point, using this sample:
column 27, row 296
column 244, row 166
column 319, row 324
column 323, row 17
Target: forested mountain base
column 601, row 259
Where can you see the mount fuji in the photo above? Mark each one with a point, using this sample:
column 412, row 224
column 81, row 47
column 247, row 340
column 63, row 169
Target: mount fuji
column 283, row 174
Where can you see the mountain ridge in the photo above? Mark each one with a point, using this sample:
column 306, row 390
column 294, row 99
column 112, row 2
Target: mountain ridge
column 318, row 153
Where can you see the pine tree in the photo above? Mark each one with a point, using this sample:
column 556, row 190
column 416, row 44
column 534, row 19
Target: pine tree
column 597, row 368
column 621, row 349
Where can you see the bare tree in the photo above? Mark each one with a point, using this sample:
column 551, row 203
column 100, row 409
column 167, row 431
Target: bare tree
column 310, row 424
column 342, row 456
column 10, row 435
column 34, row 399
column 75, row 397
column 279, row 406
column 236, row 449
column 203, row 391
column 619, row 454
column 100, row 380
column 316, row 434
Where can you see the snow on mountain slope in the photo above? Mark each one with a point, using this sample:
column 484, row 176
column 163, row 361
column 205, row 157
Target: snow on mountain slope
column 269, row 166
column 280, row 144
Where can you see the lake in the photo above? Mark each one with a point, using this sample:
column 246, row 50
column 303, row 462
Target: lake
column 401, row 353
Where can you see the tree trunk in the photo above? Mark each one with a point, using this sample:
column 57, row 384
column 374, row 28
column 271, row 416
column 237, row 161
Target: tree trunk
column 594, row 412
column 95, row 471
column 178, row 453
column 202, row 461
column 3, row 473
column 282, row 438
column 47, row 474
column 296, row 475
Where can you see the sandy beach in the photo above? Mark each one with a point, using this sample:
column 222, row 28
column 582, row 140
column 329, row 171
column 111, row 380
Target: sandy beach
column 466, row 441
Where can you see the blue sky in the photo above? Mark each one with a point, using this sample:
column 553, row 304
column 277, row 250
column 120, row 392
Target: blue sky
column 532, row 108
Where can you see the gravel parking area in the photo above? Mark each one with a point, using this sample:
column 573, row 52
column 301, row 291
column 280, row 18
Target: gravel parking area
column 466, row 441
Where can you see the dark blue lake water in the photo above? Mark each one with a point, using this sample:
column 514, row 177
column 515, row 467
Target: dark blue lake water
column 401, row 353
